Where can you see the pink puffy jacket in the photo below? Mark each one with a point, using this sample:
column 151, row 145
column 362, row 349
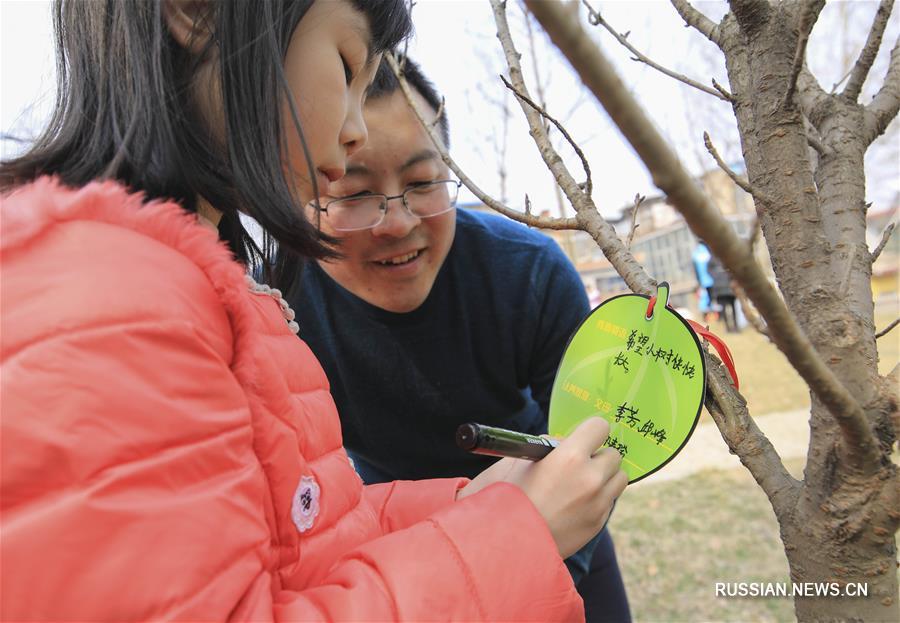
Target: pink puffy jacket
column 171, row 450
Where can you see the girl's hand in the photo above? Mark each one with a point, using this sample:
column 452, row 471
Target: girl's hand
column 573, row 487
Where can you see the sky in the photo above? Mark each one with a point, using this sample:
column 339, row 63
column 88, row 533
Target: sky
column 456, row 45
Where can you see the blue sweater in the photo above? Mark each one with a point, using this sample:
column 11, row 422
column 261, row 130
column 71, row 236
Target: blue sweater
column 483, row 347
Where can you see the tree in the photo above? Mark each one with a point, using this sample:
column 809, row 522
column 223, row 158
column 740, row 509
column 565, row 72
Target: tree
column 803, row 148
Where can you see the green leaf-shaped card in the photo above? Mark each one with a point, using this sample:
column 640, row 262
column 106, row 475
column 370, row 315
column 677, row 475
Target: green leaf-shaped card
column 645, row 375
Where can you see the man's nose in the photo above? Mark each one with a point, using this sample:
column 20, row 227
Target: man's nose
column 398, row 221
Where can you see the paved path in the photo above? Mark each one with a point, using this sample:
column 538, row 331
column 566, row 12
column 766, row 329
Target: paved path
column 788, row 432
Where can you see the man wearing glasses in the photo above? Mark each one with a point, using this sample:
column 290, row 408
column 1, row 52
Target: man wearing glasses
column 434, row 316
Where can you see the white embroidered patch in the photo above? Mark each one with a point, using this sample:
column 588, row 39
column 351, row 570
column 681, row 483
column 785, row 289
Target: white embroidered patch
column 305, row 506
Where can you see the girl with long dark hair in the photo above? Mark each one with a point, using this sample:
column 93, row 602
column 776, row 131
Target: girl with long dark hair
column 169, row 447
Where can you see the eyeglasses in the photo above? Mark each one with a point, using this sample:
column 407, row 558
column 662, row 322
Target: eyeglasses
column 368, row 210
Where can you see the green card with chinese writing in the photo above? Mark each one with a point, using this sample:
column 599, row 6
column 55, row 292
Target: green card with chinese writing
column 641, row 368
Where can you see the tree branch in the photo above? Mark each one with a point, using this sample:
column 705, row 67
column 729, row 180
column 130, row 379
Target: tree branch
column 742, row 183
column 869, row 52
column 886, row 103
column 809, row 13
column 729, row 411
column 887, row 329
column 588, row 184
column 704, row 220
column 527, row 219
column 596, row 19
column 694, row 18
column 749, row 311
column 638, row 200
column 813, row 98
column 587, row 215
column 884, row 240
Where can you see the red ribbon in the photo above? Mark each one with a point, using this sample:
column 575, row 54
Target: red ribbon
column 712, row 338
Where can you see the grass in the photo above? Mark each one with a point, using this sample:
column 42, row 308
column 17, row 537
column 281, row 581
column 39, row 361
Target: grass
column 676, row 539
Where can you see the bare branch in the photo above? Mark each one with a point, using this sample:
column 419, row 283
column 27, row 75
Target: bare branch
column 869, row 52
column 528, row 219
column 638, row 200
column 588, row 184
column 596, row 19
column 884, row 240
column 718, row 87
column 587, row 215
column 741, row 182
column 749, row 311
column 835, row 86
column 886, row 103
column 743, row 437
column 809, row 13
column 694, row 18
column 704, row 220
column 887, row 329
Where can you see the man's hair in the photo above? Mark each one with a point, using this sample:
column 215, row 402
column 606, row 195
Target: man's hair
column 386, row 84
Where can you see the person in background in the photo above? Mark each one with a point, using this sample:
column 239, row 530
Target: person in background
column 723, row 294
column 434, row 317
column 700, row 258
column 170, row 448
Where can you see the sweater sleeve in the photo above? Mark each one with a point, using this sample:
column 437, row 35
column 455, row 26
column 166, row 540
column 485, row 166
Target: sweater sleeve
column 560, row 305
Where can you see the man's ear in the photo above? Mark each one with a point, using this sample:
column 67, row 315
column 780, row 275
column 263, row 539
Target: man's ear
column 187, row 22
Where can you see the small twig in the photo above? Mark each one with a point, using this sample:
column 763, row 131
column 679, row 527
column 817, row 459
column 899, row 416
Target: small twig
column 588, row 184
column 530, row 220
column 808, row 16
column 870, row 50
column 884, row 240
column 887, row 329
column 597, row 20
column 749, row 311
column 840, row 82
column 638, row 200
column 440, row 111
column 741, row 182
column 718, row 87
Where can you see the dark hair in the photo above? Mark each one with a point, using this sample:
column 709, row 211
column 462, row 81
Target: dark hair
column 386, row 83
column 124, row 111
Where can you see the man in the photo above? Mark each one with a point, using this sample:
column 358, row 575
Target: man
column 433, row 317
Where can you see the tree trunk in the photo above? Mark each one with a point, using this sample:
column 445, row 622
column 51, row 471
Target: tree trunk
column 842, row 528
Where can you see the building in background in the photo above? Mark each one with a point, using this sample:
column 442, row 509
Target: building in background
column 662, row 242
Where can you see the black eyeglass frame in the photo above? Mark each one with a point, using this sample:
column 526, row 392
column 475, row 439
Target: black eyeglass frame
column 388, row 198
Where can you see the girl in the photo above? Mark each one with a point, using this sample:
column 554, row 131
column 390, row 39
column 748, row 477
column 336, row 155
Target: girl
column 170, row 448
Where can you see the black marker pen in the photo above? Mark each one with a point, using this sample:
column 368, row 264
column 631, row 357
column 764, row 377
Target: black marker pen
column 501, row 442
